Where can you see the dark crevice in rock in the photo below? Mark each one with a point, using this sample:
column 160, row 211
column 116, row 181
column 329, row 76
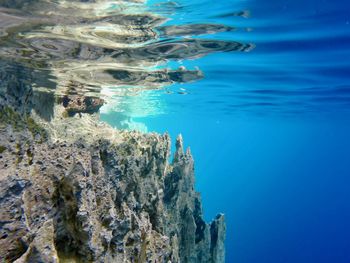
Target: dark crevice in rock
column 43, row 104
column 70, row 239
column 200, row 223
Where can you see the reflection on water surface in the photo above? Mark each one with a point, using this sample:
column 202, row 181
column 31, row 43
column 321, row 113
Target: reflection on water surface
column 129, row 55
column 104, row 52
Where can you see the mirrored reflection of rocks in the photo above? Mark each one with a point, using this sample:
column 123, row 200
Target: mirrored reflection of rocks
column 102, row 45
column 108, row 53
column 193, row 30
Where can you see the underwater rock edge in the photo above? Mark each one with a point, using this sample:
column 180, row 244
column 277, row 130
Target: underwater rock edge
column 96, row 201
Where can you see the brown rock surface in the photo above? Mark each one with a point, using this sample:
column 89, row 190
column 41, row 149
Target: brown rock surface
column 81, row 104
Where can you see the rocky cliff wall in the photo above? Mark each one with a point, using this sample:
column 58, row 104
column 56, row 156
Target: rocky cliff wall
column 78, row 199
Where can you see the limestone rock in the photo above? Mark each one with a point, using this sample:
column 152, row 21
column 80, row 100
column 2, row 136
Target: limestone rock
column 96, row 200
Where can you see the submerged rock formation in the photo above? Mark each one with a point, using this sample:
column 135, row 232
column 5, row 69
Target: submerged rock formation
column 95, row 200
column 73, row 189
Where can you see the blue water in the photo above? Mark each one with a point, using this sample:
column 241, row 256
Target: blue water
column 269, row 128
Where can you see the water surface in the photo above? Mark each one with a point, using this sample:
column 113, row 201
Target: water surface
column 259, row 90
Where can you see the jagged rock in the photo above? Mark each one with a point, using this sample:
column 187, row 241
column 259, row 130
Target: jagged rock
column 102, row 202
column 96, row 200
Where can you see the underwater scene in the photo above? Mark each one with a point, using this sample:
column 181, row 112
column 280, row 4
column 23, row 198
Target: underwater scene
column 175, row 131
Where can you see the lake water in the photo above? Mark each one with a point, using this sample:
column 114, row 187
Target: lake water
column 260, row 91
column 268, row 128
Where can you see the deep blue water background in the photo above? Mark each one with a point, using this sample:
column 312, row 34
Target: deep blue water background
column 269, row 129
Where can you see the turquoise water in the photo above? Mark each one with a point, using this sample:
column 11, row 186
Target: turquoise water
column 260, row 91
column 268, row 128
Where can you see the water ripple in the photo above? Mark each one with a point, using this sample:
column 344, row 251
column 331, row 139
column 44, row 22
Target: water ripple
column 115, row 50
column 107, row 49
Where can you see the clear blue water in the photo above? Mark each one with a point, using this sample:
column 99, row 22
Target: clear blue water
column 269, row 128
column 266, row 113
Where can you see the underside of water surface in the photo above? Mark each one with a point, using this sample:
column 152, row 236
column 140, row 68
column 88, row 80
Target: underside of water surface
column 259, row 90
